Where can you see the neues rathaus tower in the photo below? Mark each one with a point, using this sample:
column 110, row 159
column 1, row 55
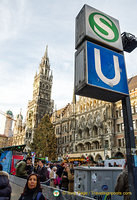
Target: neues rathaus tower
column 41, row 103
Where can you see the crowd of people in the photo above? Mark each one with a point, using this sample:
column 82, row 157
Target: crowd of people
column 53, row 174
column 57, row 175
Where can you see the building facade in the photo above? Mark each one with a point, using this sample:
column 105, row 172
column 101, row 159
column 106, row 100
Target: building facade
column 3, row 141
column 93, row 128
column 19, row 131
column 41, row 103
column 8, row 124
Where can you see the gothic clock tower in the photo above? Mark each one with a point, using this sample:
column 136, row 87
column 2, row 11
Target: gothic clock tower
column 41, row 103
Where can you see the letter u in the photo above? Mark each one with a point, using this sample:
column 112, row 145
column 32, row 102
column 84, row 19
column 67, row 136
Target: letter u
column 110, row 82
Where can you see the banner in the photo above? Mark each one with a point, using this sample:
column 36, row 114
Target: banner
column 5, row 160
column 15, row 160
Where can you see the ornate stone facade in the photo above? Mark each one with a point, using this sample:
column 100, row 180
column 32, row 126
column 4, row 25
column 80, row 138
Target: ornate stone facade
column 41, row 103
column 3, row 141
column 19, row 131
column 93, row 128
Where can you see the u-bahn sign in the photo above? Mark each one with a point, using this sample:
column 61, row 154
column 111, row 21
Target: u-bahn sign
column 99, row 61
column 94, row 25
column 100, row 73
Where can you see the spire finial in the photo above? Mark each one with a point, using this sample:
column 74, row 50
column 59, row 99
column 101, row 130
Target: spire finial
column 46, row 52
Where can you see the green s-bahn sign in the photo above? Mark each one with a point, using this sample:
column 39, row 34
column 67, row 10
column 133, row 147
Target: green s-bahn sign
column 98, row 27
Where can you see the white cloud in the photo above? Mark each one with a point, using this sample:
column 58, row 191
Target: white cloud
column 14, row 18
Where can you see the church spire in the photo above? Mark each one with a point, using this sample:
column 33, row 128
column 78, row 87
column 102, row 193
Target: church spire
column 44, row 66
column 46, row 52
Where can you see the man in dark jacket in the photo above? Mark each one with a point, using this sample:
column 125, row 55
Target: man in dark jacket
column 29, row 166
column 5, row 188
column 42, row 171
column 122, row 183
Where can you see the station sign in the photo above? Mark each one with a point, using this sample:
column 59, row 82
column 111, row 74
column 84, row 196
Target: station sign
column 94, row 25
column 100, row 73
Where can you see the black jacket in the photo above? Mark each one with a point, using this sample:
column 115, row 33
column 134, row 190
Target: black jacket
column 42, row 173
column 5, row 188
column 31, row 195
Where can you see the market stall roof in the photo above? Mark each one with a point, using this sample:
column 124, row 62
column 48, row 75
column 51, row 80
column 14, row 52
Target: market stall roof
column 13, row 148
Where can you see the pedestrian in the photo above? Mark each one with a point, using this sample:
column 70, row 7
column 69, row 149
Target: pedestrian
column 42, row 171
column 53, row 177
column 29, row 165
column 70, row 173
column 122, row 183
column 49, row 169
column 65, row 181
column 5, row 188
column 21, row 169
column 59, row 174
column 32, row 189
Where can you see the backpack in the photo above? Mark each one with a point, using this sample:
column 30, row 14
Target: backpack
column 38, row 195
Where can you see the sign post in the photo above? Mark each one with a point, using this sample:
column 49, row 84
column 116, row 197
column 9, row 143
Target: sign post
column 100, row 72
column 130, row 147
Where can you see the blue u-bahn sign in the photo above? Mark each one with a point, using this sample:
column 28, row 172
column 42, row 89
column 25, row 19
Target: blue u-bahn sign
column 99, row 61
column 101, row 73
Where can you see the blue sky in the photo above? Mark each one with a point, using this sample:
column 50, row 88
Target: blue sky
column 27, row 26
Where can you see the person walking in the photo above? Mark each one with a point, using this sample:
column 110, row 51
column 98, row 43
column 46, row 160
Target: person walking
column 53, row 177
column 65, row 181
column 21, row 169
column 122, row 183
column 42, row 171
column 70, row 178
column 32, row 189
column 29, row 165
column 5, row 188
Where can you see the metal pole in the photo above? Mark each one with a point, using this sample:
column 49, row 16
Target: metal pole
column 130, row 147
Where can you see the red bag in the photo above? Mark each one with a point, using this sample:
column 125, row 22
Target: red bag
column 55, row 181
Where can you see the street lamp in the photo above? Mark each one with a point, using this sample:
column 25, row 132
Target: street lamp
column 129, row 42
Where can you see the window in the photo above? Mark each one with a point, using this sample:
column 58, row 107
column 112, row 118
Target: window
column 80, row 134
column 123, row 142
column 134, row 125
column 132, row 109
column 121, row 113
column 122, row 127
column 95, row 131
column 75, row 148
column 106, row 144
column 136, row 108
column 116, row 113
column 70, row 138
column 118, row 127
column 119, row 142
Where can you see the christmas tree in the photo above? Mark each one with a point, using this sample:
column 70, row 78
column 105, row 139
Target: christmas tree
column 44, row 141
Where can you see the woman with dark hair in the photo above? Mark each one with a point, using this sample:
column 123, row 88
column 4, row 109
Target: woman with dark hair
column 32, row 190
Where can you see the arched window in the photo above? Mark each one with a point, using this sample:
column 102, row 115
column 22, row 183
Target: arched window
column 80, row 134
column 87, row 132
column 95, row 131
